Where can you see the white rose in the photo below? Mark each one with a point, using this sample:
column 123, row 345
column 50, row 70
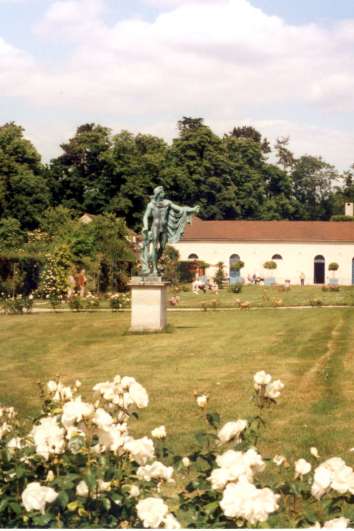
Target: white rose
column 273, row 389
column 244, row 501
column 48, row 437
column 134, row 491
column 321, row 482
column 186, row 462
column 126, row 382
column 141, row 450
column 102, row 419
column 152, row 512
column 50, row 476
column 35, row 497
column 262, row 378
column 15, row 443
column 138, row 395
column 232, row 430
column 82, row 489
column 52, row 386
column 112, row 437
column 279, row 460
column 75, row 411
column 337, row 523
column 103, row 486
column 302, row 467
column 202, row 401
column 219, row 478
column 170, row 522
column 314, row 452
column 156, row 470
column 159, row 433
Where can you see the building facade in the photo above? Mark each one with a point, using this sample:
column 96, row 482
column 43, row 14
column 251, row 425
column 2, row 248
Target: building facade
column 297, row 247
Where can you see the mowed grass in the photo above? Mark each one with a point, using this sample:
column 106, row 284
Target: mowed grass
column 263, row 296
column 310, row 350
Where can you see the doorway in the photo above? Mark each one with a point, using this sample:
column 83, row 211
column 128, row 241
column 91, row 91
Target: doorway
column 319, row 269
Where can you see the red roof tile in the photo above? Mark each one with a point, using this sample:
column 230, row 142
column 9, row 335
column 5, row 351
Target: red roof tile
column 285, row 231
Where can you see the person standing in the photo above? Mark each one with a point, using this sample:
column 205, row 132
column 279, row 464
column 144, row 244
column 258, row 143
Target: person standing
column 82, row 282
column 302, row 279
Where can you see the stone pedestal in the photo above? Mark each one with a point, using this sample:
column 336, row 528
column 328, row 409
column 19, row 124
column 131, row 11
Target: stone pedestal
column 149, row 304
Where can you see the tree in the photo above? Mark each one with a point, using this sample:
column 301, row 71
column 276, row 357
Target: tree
column 285, row 157
column 137, row 164
column 251, row 133
column 24, row 193
column 198, row 171
column 313, row 180
column 78, row 177
column 11, row 235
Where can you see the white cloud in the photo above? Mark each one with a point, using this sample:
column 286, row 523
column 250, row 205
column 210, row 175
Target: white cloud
column 218, row 59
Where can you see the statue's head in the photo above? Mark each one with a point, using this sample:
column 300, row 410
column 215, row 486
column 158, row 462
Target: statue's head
column 159, row 192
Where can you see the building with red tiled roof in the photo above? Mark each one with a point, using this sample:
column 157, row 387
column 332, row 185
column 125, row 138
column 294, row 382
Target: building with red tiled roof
column 299, row 248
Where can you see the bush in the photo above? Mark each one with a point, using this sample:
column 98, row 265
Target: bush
column 78, row 467
column 330, row 288
column 333, row 266
column 316, row 302
column 186, row 269
column 237, row 266
column 91, row 302
column 270, row 265
column 236, row 288
column 119, row 301
column 220, row 275
column 75, row 303
column 16, row 305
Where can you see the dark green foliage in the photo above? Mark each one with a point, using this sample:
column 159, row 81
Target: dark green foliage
column 270, row 265
column 186, row 270
column 23, row 190
column 229, row 177
column 169, row 264
column 236, row 288
column 220, row 275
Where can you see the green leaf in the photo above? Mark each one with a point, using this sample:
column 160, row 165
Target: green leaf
column 63, row 499
column 3, row 505
column 42, row 520
column 201, row 437
column 211, row 507
column 213, row 419
column 106, row 502
column 72, row 506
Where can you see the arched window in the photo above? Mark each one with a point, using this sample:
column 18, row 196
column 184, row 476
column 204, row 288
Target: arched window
column 234, row 273
column 319, row 269
column 193, row 257
column 277, row 257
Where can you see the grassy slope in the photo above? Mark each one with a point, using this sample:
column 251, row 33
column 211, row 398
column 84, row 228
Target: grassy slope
column 215, row 352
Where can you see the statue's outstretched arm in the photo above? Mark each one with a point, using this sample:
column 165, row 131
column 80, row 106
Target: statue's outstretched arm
column 188, row 210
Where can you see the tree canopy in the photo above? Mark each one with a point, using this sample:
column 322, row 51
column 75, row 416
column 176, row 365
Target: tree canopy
column 229, row 177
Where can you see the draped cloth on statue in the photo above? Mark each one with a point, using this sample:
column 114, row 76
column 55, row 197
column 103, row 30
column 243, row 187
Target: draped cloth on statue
column 176, row 224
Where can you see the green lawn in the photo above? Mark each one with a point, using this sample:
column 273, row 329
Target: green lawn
column 258, row 296
column 215, row 352
column 263, row 296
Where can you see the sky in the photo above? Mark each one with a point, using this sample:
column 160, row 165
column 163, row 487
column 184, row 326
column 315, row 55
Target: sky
column 285, row 67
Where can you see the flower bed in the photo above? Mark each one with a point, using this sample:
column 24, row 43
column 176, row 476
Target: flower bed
column 79, row 466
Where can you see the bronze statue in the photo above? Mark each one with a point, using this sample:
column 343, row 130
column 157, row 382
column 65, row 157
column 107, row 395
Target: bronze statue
column 164, row 222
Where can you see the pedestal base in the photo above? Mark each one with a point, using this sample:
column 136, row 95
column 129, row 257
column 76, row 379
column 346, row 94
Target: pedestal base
column 149, row 304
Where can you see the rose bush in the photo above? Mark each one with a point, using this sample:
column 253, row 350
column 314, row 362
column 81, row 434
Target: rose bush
column 80, row 467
